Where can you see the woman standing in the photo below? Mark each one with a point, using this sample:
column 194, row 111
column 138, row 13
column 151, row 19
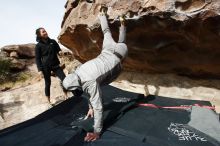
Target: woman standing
column 47, row 51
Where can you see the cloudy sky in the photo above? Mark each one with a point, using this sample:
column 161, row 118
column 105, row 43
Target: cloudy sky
column 20, row 18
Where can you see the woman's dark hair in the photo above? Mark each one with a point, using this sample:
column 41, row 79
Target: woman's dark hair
column 38, row 38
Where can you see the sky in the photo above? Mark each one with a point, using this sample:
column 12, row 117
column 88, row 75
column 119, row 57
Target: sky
column 20, row 18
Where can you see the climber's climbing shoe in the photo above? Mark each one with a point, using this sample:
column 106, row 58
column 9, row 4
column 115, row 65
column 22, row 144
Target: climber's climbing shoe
column 122, row 19
column 103, row 10
column 90, row 1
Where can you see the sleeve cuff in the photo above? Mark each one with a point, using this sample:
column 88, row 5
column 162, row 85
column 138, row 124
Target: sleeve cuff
column 97, row 130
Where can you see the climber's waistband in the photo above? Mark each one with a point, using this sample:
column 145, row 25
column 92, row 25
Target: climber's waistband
column 118, row 55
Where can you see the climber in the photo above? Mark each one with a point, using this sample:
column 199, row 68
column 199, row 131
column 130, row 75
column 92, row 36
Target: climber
column 98, row 72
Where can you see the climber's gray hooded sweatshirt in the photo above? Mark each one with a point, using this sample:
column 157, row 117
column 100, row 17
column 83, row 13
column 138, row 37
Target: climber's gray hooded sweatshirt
column 100, row 71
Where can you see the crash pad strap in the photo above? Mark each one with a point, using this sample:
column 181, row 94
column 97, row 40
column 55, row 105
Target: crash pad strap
column 184, row 107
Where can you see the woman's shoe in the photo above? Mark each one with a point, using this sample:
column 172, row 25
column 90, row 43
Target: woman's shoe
column 48, row 99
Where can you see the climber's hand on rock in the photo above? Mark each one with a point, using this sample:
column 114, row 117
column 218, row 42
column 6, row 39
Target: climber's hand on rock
column 91, row 137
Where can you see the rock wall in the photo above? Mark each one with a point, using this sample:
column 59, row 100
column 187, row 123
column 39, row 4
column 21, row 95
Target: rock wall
column 163, row 36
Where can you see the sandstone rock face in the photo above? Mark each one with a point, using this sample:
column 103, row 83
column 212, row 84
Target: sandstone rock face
column 17, row 65
column 26, row 102
column 170, row 85
column 163, row 36
column 14, row 54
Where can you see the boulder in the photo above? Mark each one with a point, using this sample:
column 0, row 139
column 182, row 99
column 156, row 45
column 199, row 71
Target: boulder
column 23, row 51
column 163, row 36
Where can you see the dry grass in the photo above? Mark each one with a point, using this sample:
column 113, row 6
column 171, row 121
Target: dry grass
column 18, row 80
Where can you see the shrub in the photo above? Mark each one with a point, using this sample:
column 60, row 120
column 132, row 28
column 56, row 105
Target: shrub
column 5, row 65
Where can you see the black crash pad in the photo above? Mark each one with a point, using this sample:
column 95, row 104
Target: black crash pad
column 125, row 124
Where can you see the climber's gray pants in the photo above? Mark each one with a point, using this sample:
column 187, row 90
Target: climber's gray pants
column 108, row 43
